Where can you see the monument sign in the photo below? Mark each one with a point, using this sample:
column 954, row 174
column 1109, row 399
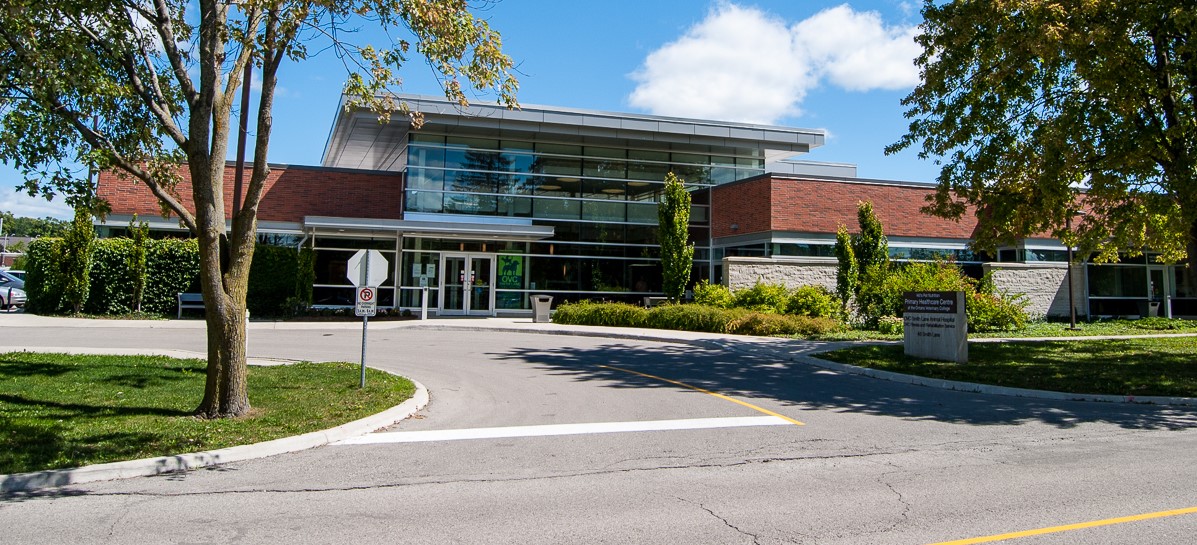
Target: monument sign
column 935, row 326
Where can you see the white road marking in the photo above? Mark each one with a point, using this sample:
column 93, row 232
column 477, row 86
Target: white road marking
column 562, row 429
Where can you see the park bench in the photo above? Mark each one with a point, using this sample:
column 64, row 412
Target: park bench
column 190, row 300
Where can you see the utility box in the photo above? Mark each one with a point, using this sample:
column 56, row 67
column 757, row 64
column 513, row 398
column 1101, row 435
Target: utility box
column 540, row 308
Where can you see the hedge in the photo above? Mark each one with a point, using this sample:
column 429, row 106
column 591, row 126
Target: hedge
column 172, row 267
column 692, row 317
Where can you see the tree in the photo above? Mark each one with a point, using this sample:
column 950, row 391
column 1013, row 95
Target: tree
column 32, row 227
column 847, row 272
column 141, row 86
column 677, row 253
column 870, row 246
column 1039, row 108
column 75, row 263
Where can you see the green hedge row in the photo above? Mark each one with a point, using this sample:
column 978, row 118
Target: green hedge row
column 693, row 317
column 275, row 280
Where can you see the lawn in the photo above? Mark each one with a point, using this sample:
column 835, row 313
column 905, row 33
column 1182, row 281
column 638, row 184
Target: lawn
column 61, row 411
column 1139, row 367
column 1039, row 329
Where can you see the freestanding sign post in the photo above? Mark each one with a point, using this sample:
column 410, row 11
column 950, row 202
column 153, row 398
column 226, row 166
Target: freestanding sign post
column 934, row 325
column 367, row 269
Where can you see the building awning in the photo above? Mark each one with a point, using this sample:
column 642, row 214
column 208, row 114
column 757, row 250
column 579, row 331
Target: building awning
column 435, row 229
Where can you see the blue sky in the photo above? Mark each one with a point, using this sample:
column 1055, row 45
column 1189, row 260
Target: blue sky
column 840, row 67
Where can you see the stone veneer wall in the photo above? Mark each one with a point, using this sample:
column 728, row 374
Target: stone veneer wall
column 1044, row 284
column 743, row 272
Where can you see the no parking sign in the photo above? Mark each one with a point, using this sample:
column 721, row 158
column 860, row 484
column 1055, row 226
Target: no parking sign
column 367, row 301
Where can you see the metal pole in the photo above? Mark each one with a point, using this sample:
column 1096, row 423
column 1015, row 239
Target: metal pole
column 424, row 302
column 1071, row 302
column 365, row 320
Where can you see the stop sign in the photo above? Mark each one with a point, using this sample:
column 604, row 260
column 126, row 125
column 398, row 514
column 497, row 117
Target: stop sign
column 367, row 268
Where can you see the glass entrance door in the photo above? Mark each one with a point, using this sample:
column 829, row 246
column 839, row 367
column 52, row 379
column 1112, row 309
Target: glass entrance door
column 1159, row 284
column 467, row 284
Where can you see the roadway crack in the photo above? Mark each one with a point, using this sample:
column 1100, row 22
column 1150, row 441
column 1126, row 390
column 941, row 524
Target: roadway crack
column 432, row 482
column 906, row 505
column 756, row 539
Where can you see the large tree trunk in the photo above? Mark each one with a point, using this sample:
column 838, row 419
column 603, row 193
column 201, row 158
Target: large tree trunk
column 224, row 278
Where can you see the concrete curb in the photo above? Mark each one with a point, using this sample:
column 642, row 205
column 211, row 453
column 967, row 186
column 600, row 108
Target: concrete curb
column 146, row 467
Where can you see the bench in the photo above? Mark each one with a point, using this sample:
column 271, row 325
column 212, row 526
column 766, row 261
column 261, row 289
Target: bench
column 190, row 300
column 650, row 302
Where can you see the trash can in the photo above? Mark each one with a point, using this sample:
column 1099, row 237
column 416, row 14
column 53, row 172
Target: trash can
column 540, row 308
column 1149, row 309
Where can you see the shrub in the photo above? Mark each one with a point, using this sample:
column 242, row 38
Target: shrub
column 882, row 291
column 272, row 280
column 890, row 325
column 605, row 314
column 41, row 283
column 995, row 312
column 694, row 317
column 762, row 324
column 815, row 301
column 761, row 297
column 713, row 295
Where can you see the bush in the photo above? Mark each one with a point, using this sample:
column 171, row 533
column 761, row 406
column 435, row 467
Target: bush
column 995, row 312
column 713, row 295
column 890, row 325
column 694, row 317
column 761, row 297
column 815, row 301
column 766, row 325
column 605, row 314
column 272, row 280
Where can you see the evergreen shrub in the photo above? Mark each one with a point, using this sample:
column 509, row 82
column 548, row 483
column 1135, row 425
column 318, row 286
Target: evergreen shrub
column 713, row 295
column 814, row 301
column 692, row 317
column 762, row 297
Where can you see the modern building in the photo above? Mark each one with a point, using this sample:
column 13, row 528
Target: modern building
column 485, row 206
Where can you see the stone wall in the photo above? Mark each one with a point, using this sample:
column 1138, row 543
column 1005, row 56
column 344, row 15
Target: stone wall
column 1044, row 285
column 743, row 272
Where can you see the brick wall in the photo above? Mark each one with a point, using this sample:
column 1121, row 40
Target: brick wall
column 291, row 193
column 821, row 206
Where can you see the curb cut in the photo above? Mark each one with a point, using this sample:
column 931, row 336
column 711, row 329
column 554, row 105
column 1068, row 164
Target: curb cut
column 147, row 467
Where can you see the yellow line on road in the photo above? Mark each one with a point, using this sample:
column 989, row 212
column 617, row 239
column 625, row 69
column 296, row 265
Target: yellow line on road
column 708, row 392
column 1070, row 527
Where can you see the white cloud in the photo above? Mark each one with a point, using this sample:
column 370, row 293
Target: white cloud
column 20, row 204
column 743, row 64
column 737, row 64
column 856, row 51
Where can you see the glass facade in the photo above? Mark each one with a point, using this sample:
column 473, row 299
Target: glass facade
column 601, row 201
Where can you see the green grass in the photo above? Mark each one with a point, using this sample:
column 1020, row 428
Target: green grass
column 60, row 411
column 1140, row 367
column 1147, row 326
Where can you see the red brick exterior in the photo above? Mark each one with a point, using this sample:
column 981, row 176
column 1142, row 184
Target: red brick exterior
column 767, row 203
column 291, row 193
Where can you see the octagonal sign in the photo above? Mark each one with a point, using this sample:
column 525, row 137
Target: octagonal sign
column 367, row 268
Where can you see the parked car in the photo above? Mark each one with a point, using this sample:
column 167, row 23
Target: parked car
column 10, row 280
column 17, row 273
column 11, row 297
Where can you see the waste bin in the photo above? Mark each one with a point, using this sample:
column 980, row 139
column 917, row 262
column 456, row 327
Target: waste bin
column 540, row 307
column 1149, row 309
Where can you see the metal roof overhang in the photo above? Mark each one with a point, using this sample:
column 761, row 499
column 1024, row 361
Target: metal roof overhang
column 453, row 230
column 357, row 139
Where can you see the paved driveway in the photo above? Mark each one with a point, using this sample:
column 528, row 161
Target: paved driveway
column 543, row 438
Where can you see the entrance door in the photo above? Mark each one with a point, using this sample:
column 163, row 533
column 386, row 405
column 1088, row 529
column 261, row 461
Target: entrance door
column 1159, row 284
column 467, row 284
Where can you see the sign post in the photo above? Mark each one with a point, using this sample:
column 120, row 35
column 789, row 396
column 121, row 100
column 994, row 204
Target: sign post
column 934, row 325
column 367, row 269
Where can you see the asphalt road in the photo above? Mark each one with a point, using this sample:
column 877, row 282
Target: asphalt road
column 873, row 462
